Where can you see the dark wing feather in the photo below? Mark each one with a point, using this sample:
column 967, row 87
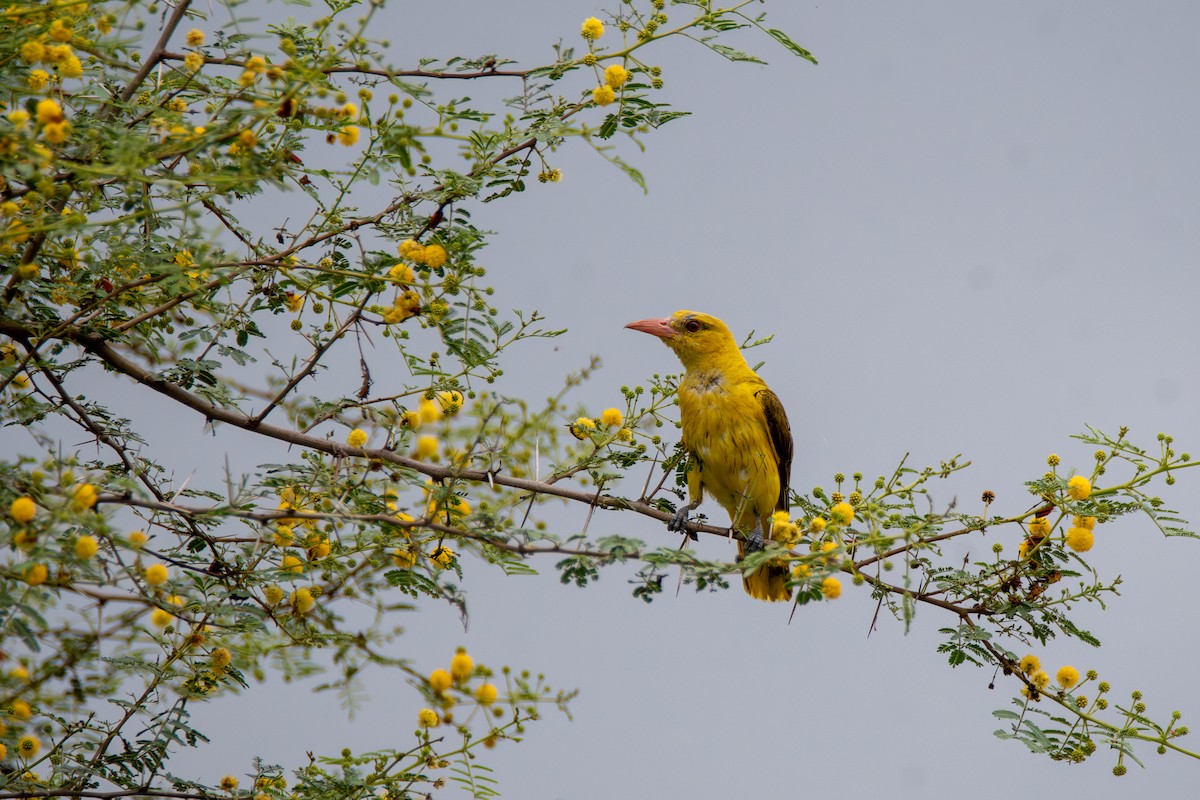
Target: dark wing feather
column 781, row 438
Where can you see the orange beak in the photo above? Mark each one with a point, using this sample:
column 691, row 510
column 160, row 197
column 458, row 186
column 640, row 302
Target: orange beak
column 655, row 327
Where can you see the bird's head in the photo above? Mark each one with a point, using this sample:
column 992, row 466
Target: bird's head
column 700, row 340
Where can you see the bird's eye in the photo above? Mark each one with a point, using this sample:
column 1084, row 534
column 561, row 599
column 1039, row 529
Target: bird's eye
column 693, row 325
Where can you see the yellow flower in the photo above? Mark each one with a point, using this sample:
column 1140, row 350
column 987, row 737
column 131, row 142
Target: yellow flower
column 357, row 438
column 1039, row 679
column 1067, row 676
column 402, row 273
column 1029, row 664
column 273, row 595
column 56, row 132
column 625, row 435
column 348, row 135
column 303, row 601
column 21, row 710
column 70, row 67
column 612, row 417
column 195, row 37
column 407, row 305
column 48, row 111
column 403, row 559
column 294, row 301
column 19, row 673
column 137, row 539
column 291, row 564
column 434, row 255
column 486, row 694
column 86, row 547
column 1080, row 539
column 161, row 618
column 17, row 117
column 23, row 509
column 193, row 61
column 58, row 53
column 429, row 410
column 229, row 783
column 842, row 513
column 247, row 138
column 33, row 51
column 440, row 680
column 1085, row 522
column 221, row 658
column 318, row 547
column 443, row 555
column 581, row 427
column 817, row 524
column 1039, row 527
column 348, row 110
column 592, row 29
column 157, row 574
column 462, row 665
column 428, row 718
column 60, row 31
column 831, row 587
column 83, row 497
column 1079, row 488
column 603, row 95
column 28, row 746
column 412, row 250
column 427, row 447
column 451, row 402
column 37, row 80
column 616, row 76
column 36, row 574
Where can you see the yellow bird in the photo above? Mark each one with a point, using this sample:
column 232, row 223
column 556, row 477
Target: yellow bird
column 737, row 432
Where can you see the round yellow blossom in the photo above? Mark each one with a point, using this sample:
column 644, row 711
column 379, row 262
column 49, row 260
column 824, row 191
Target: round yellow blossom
column 86, row 547
column 137, row 539
column 427, row 447
column 294, row 301
column 451, row 401
column 247, row 138
column 1067, row 676
column 284, row 536
column 19, row 673
column 486, row 694
column 443, row 556
column 26, row 272
column 221, row 657
column 58, row 53
column 412, row 250
column 462, row 665
column 1040, row 679
column 303, row 601
column 429, row 411
column 440, row 680
column 22, row 509
column 1080, row 539
column 70, row 67
column 21, row 710
column 402, row 273
column 37, row 79
column 612, row 417
column 625, row 435
column 319, row 547
column 831, row 587
column 17, row 117
column 28, row 746
column 428, row 718
column 48, row 111
column 195, row 37
column 36, row 574
column 434, row 255
column 60, row 31
column 582, row 426
column 157, row 574
column 193, row 61
column 817, row 524
column 404, row 559
column 161, row 618
column 1079, row 488
column 83, row 497
column 800, row 572
column 229, row 783
column 1085, row 522
column 842, row 513
column 273, row 594
column 291, row 564
column 1029, row 664
column 348, row 135
column 616, row 76
column 603, row 95
column 33, row 51
column 591, row 29
column 406, row 306
column 1039, row 526
column 357, row 438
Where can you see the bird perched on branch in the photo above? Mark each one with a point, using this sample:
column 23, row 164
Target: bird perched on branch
column 736, row 430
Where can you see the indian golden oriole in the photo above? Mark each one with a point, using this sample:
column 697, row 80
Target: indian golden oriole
column 737, row 434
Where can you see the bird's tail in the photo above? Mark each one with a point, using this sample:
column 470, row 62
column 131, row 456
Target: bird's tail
column 768, row 582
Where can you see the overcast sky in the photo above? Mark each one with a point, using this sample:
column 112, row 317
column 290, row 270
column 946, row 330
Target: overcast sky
column 972, row 229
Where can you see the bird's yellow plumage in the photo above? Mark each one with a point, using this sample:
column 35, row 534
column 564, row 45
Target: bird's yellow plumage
column 736, row 429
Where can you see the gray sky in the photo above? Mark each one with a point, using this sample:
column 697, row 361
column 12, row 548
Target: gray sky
column 972, row 229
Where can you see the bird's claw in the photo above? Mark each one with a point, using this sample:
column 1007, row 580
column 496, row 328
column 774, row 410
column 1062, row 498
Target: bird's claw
column 754, row 541
column 679, row 521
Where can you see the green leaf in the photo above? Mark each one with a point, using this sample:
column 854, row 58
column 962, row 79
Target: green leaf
column 792, row 47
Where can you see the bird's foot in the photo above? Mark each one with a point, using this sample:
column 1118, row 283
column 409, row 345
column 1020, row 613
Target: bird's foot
column 678, row 523
column 754, row 541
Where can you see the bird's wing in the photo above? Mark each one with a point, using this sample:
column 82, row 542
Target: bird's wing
column 781, row 438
